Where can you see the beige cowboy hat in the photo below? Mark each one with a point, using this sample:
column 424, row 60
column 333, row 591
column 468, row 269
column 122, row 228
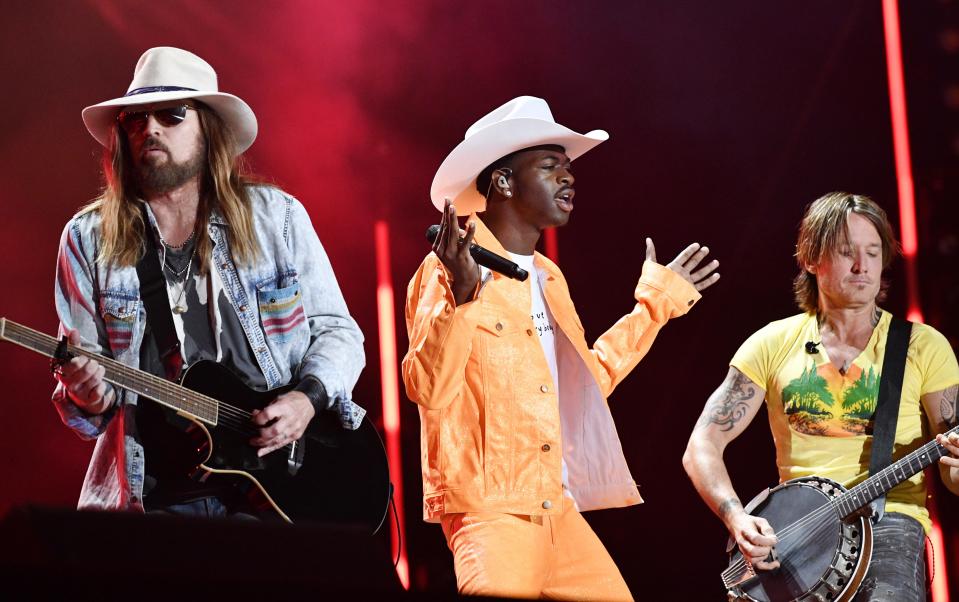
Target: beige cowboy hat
column 166, row 73
column 520, row 123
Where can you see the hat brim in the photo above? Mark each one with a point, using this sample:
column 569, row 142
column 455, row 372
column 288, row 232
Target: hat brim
column 456, row 177
column 237, row 115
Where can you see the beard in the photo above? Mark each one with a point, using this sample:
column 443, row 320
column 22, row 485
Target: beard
column 167, row 176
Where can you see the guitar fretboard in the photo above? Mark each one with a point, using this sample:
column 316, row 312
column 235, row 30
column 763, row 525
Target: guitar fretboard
column 201, row 407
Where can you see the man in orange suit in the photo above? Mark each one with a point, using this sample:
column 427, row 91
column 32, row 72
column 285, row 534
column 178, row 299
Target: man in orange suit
column 517, row 437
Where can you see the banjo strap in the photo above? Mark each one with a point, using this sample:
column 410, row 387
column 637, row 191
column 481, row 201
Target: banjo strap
column 887, row 403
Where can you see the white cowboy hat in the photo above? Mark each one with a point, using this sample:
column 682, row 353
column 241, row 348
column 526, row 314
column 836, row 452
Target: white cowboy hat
column 167, row 73
column 520, row 123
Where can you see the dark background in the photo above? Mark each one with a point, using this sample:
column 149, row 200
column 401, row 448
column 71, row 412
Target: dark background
column 726, row 119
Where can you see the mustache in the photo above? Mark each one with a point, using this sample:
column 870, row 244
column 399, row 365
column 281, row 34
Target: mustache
column 152, row 143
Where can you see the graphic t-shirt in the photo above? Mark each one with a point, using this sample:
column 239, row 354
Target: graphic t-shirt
column 822, row 420
column 207, row 331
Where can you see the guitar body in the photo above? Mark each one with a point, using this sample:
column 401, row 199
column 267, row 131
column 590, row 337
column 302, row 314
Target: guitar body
column 822, row 557
column 331, row 474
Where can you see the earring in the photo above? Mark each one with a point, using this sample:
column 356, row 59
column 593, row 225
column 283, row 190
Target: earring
column 507, row 194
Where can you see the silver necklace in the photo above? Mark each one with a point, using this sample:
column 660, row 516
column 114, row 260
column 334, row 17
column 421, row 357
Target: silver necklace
column 179, row 246
column 179, row 305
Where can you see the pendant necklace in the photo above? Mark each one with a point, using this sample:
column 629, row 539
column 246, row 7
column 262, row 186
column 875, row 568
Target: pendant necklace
column 179, row 304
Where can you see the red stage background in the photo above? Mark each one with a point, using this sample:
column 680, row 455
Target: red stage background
column 726, row 119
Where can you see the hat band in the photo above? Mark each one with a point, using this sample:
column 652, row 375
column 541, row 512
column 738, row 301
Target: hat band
column 158, row 89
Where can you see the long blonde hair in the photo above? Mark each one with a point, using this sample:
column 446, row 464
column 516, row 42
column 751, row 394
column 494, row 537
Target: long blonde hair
column 824, row 230
column 223, row 186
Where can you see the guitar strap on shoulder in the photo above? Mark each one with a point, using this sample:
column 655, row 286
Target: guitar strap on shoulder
column 156, row 302
column 887, row 403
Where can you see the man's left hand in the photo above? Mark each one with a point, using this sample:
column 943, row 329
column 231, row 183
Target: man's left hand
column 282, row 422
column 686, row 263
column 951, row 443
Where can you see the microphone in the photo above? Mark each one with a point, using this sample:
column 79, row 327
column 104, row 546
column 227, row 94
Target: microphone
column 486, row 258
column 812, row 348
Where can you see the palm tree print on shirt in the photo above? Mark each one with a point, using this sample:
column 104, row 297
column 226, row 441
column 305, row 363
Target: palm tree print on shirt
column 821, row 401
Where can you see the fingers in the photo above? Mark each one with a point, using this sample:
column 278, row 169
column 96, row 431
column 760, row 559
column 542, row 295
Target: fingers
column 81, row 372
column 650, row 250
column 282, row 422
column 765, row 535
column 264, row 416
column 757, row 543
column 464, row 245
column 696, row 258
column 73, row 337
column 704, row 284
column 686, row 254
column 439, row 243
column 705, row 271
column 951, row 445
column 765, row 565
column 452, row 227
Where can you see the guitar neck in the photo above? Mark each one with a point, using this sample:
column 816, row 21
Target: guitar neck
column 894, row 474
column 162, row 391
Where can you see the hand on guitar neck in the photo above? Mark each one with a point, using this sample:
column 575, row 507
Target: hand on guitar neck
column 82, row 377
column 754, row 536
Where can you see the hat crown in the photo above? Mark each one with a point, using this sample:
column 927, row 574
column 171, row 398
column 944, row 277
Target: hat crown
column 521, row 107
column 167, row 66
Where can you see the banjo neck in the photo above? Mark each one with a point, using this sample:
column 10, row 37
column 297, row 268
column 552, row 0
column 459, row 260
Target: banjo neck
column 878, row 484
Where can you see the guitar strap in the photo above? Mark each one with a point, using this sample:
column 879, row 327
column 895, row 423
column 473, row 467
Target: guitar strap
column 887, row 403
column 156, row 302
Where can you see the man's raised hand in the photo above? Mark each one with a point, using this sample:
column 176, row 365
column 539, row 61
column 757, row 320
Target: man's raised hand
column 687, row 262
column 454, row 252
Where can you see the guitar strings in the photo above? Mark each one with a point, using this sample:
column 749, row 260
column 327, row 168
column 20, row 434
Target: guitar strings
column 205, row 407
column 787, row 544
column 854, row 493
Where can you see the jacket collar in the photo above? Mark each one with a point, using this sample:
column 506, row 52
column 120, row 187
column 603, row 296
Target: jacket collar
column 485, row 238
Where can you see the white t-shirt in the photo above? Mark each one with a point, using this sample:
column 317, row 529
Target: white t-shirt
column 545, row 326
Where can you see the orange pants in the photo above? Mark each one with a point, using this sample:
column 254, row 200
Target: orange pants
column 515, row 556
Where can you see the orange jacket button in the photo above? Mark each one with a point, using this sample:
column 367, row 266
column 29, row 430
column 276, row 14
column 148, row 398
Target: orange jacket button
column 544, row 389
column 547, row 504
column 546, row 447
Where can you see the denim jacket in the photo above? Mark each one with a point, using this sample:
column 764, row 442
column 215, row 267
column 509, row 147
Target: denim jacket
column 103, row 302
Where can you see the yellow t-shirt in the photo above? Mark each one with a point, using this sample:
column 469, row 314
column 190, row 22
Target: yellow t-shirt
column 819, row 417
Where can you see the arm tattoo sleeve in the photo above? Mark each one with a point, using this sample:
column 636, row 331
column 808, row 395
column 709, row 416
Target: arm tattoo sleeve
column 947, row 406
column 730, row 406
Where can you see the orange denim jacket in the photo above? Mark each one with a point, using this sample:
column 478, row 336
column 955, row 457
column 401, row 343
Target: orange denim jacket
column 493, row 430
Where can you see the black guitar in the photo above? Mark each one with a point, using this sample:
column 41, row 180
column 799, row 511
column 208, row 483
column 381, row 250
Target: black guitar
column 331, row 474
column 825, row 538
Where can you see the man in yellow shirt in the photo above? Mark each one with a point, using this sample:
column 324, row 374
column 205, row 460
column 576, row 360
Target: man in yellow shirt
column 819, row 373
column 516, row 434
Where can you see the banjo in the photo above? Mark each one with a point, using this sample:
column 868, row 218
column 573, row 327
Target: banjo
column 825, row 535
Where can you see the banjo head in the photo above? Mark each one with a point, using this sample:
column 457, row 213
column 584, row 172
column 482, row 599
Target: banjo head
column 821, row 556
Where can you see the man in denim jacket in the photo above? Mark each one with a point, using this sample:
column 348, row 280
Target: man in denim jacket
column 248, row 282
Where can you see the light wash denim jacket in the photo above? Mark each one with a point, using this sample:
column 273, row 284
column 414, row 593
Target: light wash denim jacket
column 103, row 303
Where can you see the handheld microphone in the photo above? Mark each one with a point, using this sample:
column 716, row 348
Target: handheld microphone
column 812, row 348
column 486, row 258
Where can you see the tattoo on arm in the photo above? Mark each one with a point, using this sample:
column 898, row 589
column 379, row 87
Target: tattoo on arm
column 730, row 407
column 947, row 406
column 728, row 506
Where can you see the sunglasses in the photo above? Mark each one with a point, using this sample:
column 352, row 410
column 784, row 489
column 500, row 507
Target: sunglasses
column 169, row 117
